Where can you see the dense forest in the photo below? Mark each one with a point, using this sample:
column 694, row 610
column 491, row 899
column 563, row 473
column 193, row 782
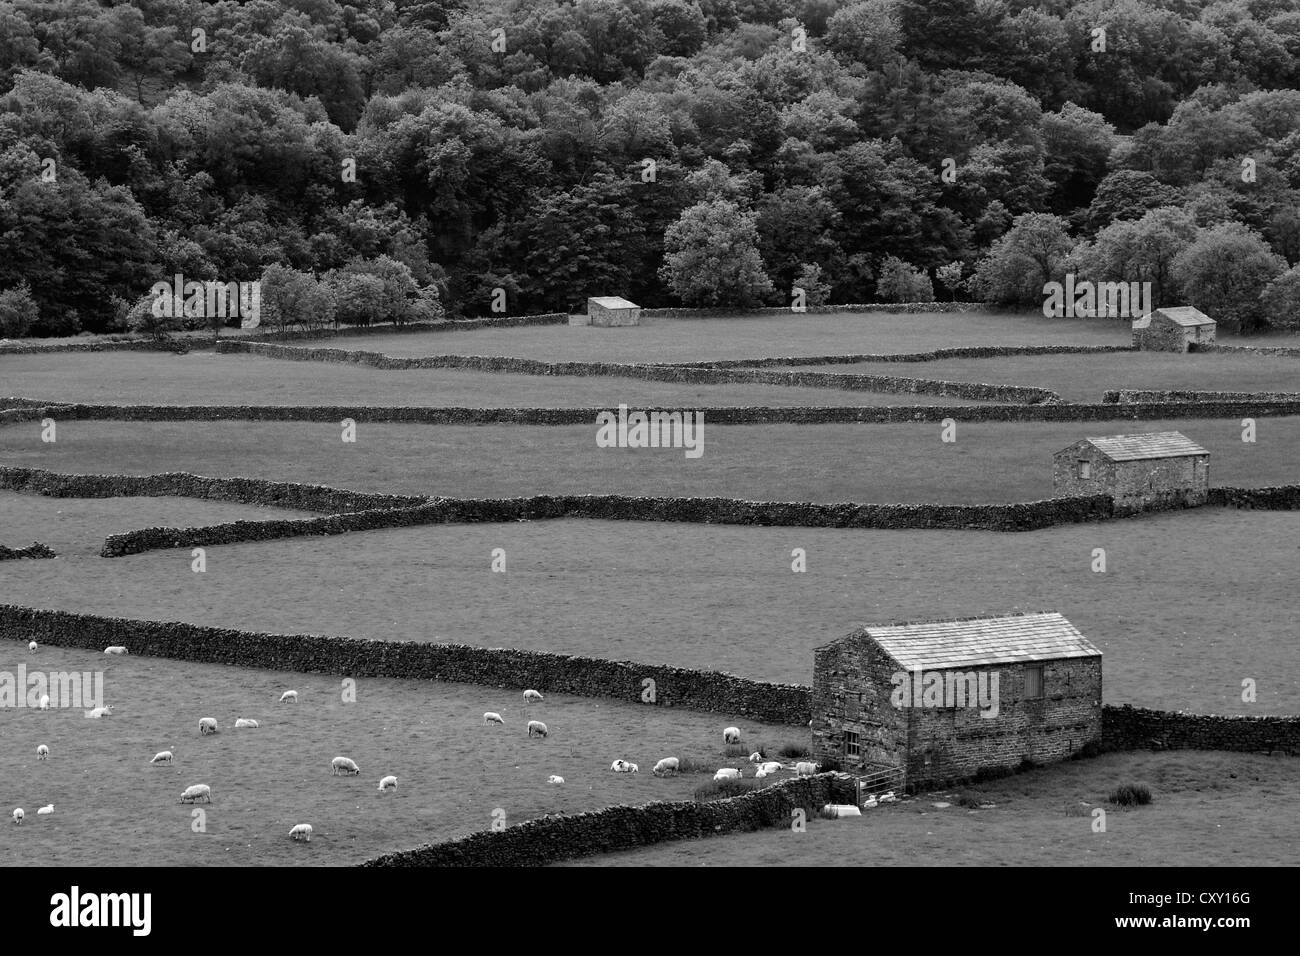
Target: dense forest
column 401, row 159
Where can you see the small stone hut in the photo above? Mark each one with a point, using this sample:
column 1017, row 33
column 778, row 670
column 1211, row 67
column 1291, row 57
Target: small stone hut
column 608, row 310
column 1138, row 471
column 941, row 700
column 1173, row 330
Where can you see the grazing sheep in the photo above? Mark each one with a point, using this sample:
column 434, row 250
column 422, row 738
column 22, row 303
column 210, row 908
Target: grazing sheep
column 45, row 702
column 289, row 695
column 805, row 769
column 532, row 695
column 18, row 815
column 756, row 757
column 769, row 766
column 343, row 765
column 48, row 808
column 207, row 725
column 666, row 766
column 731, row 735
column 491, row 717
column 888, row 797
column 98, row 712
column 623, row 766
column 42, row 752
column 301, row 831
column 243, row 722
column 162, row 756
column 115, row 649
column 388, row 783
column 538, row 728
column 199, row 790
column 31, row 645
column 555, row 778
column 728, row 773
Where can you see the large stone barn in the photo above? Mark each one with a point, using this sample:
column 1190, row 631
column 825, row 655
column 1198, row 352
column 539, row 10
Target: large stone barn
column 940, row 700
column 1138, row 471
column 1173, row 330
column 608, row 310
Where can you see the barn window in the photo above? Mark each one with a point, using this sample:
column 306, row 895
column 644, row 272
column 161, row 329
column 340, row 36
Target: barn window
column 1085, row 469
column 1033, row 683
column 851, row 745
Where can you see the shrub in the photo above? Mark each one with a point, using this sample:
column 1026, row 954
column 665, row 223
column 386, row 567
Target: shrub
column 722, row 789
column 691, row 765
column 1131, row 795
column 793, row 751
column 18, row 312
column 967, row 800
column 736, row 750
column 900, row 282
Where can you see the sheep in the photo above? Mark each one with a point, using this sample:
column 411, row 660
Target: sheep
column 48, row 808
column 301, row 831
column 805, row 769
column 769, row 766
column 42, row 752
column 343, row 765
column 760, row 773
column 18, row 815
column 538, row 728
column 666, row 766
column 207, row 725
column 731, row 735
column 162, row 756
column 869, row 802
column 243, row 722
column 623, row 766
column 199, row 790
column 115, row 649
column 31, row 645
column 555, row 778
column 491, row 717
column 291, row 695
column 888, row 797
column 756, row 757
column 45, row 702
column 728, row 773
column 388, row 783
column 532, row 695
column 98, row 712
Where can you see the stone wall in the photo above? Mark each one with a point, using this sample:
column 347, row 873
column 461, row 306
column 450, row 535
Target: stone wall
column 97, row 345
column 1130, row 395
column 353, row 657
column 1271, row 498
column 906, row 308
column 1136, row 728
column 550, row 839
column 1285, row 351
column 388, row 328
column 1156, row 483
column 34, row 550
column 934, row 355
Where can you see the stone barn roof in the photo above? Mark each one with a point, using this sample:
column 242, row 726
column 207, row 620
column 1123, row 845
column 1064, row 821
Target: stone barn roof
column 1151, row 445
column 976, row 642
column 1184, row 315
column 613, row 302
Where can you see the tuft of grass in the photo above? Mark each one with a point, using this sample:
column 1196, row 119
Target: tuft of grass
column 794, row 751
column 1131, row 795
column 691, row 765
column 736, row 750
column 969, row 801
column 722, row 789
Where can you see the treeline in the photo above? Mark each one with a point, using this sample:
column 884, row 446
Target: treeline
column 390, row 158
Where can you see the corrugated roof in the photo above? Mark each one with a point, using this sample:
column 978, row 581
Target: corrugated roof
column 941, row 645
column 1151, row 445
column 613, row 302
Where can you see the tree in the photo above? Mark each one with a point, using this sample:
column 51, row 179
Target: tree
column 18, row 312
column 1140, row 250
column 900, row 282
column 711, row 257
column 816, row 291
column 867, row 32
column 1128, row 194
column 950, row 276
column 1021, row 263
column 1281, row 300
column 682, row 27
column 1223, row 273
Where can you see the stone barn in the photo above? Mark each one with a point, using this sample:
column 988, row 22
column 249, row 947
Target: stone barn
column 1173, row 330
column 1138, row 471
column 940, row 700
column 608, row 310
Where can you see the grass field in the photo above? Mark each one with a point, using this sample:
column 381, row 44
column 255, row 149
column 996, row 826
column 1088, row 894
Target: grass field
column 206, row 378
column 111, row 807
column 699, row 340
column 873, row 463
column 1083, row 378
column 1191, row 603
column 1210, row 809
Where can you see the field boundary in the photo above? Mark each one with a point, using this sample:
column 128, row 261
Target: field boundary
column 441, row 325
column 179, row 346
column 34, row 550
column 934, row 355
column 1138, row 728
column 1130, row 395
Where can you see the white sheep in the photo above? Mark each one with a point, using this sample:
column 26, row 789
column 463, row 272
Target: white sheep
column 731, row 735
column 48, row 808
column 666, row 766
column 162, row 756
column 888, row 797
column 199, row 790
column 756, row 757
column 18, row 815
column 728, row 773
column 769, row 766
column 623, row 766
column 555, row 778
column 869, row 802
column 44, row 703
column 538, row 728
column 244, row 722
column 115, row 649
column 491, row 717
column 532, row 695
column 31, row 645
column 42, row 752
column 301, row 831
column 343, row 765
column 207, row 725
column 805, row 768
column 289, row 695
column 98, row 712
column 388, row 783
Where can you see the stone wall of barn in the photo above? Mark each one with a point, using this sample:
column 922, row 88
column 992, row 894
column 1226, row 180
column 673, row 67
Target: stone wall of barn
column 1163, row 335
column 852, row 682
column 1146, row 483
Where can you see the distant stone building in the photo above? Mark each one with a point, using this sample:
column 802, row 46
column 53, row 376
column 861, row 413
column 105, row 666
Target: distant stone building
column 1138, row 471
column 607, row 310
column 941, row 700
column 1173, row 330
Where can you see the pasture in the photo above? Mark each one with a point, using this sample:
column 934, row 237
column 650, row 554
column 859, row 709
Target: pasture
column 112, row 807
